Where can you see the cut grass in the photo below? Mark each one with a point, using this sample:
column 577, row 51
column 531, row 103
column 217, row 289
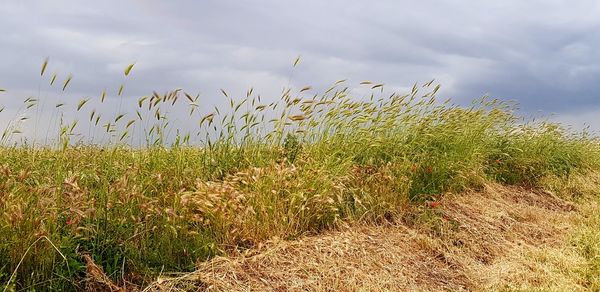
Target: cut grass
column 259, row 170
column 498, row 239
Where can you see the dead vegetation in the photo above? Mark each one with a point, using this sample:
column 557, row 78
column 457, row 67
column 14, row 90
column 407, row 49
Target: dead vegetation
column 476, row 241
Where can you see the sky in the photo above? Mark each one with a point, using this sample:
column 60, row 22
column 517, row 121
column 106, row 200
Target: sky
column 543, row 54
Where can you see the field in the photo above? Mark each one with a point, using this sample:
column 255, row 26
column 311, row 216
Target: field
column 137, row 197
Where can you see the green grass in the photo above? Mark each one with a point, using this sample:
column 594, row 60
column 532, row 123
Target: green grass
column 584, row 236
column 254, row 171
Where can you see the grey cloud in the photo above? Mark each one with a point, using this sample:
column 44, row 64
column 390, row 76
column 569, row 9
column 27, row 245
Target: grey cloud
column 544, row 54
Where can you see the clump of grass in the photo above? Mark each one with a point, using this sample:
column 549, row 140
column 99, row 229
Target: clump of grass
column 247, row 173
column 586, row 240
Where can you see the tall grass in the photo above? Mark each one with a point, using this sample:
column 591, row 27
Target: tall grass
column 247, row 173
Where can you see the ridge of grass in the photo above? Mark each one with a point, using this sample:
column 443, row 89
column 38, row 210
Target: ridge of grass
column 501, row 238
column 262, row 170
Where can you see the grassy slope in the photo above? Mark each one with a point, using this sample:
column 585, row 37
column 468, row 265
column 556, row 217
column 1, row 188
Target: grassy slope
column 499, row 239
column 329, row 159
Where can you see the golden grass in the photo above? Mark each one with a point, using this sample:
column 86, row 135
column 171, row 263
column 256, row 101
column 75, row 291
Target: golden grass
column 503, row 238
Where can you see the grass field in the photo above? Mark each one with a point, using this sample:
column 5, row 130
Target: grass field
column 246, row 173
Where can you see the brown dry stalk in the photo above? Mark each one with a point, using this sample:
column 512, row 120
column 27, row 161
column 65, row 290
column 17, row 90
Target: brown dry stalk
column 476, row 241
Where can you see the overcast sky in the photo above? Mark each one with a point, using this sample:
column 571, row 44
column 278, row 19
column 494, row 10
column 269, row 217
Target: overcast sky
column 543, row 54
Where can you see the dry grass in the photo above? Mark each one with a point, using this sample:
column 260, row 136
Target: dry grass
column 223, row 180
column 502, row 238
